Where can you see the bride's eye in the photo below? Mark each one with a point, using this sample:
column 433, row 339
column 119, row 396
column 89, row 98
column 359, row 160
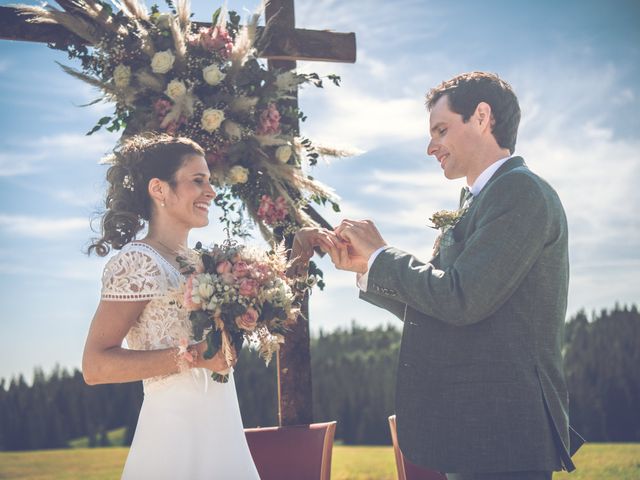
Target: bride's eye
column 442, row 131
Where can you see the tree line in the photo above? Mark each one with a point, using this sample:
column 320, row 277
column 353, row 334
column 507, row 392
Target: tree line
column 353, row 374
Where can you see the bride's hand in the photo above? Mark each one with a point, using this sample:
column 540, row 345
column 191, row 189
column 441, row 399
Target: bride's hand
column 217, row 363
column 307, row 239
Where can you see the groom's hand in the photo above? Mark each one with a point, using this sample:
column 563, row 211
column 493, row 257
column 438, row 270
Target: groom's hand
column 344, row 258
column 362, row 237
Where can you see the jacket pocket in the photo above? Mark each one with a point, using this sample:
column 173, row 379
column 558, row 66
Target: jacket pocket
column 450, row 252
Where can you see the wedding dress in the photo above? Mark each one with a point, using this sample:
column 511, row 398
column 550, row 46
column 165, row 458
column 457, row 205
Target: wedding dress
column 189, row 425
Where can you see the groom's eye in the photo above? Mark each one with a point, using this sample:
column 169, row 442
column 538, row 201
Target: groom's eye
column 442, row 131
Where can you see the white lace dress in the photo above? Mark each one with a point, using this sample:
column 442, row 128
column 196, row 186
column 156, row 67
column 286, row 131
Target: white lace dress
column 189, row 426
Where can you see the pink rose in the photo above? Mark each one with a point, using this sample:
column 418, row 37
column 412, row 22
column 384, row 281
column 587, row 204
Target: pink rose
column 188, row 300
column 248, row 287
column 240, row 269
column 269, row 121
column 213, row 39
column 224, row 267
column 248, row 320
column 272, row 212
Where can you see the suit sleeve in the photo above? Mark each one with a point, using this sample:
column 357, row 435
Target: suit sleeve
column 513, row 222
column 392, row 306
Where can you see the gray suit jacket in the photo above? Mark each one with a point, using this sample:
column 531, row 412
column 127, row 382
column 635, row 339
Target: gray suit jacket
column 480, row 383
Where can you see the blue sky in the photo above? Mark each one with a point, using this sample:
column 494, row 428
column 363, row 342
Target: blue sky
column 575, row 66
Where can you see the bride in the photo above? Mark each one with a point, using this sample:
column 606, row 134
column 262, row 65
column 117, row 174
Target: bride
column 189, row 426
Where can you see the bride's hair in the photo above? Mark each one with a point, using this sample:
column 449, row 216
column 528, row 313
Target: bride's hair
column 133, row 164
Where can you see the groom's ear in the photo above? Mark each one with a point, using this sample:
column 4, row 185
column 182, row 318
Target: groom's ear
column 483, row 116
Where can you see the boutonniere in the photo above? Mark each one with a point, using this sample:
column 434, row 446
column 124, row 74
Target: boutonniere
column 445, row 219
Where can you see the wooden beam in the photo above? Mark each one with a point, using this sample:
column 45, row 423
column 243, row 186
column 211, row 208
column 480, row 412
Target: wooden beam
column 14, row 26
column 311, row 45
column 296, row 44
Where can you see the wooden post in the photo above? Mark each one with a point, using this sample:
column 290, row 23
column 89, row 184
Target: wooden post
column 295, row 400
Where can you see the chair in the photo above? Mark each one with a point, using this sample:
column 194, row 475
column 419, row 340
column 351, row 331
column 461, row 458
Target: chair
column 298, row 452
column 406, row 469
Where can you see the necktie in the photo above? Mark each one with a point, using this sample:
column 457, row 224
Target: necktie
column 465, row 197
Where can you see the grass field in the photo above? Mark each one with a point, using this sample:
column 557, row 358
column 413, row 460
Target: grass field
column 594, row 462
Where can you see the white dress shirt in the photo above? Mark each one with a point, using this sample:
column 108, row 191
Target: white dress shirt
column 363, row 278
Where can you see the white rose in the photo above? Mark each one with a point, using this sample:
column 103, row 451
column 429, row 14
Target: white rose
column 162, row 62
column 283, row 153
column 175, row 90
column 232, row 129
column 238, row 174
column 211, row 119
column 205, row 290
column 212, row 75
column 121, row 75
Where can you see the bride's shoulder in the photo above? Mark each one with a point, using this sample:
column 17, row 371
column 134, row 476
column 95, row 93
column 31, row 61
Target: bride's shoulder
column 136, row 270
column 137, row 256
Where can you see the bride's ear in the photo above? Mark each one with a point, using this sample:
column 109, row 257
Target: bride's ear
column 157, row 189
column 483, row 116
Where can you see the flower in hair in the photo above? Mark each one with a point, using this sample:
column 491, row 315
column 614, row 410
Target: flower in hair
column 127, row 182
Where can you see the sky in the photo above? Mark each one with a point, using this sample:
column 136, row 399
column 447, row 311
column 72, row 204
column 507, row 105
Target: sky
column 574, row 64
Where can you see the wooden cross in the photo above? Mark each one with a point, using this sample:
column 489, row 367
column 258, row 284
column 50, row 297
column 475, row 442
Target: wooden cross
column 286, row 45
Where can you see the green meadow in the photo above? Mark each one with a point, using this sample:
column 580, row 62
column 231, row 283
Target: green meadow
column 594, row 461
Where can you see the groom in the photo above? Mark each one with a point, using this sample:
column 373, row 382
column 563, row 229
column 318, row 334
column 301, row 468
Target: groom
column 480, row 390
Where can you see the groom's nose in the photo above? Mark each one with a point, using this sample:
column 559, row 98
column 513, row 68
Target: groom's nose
column 431, row 148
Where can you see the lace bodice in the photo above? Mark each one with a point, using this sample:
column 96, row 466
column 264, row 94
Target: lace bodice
column 138, row 272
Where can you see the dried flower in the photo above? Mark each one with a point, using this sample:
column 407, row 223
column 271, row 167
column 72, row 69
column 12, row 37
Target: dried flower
column 121, row 75
column 232, row 130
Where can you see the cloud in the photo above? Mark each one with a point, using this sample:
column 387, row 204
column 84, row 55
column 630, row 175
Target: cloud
column 350, row 116
column 20, row 158
column 12, row 165
column 38, row 227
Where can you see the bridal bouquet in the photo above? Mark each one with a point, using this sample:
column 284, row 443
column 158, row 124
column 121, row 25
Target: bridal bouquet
column 236, row 293
column 167, row 73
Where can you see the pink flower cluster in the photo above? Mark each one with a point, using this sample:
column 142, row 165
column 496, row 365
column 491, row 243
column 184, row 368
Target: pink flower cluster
column 272, row 212
column 161, row 108
column 269, row 121
column 213, row 39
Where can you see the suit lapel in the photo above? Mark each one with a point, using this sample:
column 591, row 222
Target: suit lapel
column 511, row 164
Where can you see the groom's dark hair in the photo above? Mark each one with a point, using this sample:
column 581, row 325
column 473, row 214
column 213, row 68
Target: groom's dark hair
column 467, row 90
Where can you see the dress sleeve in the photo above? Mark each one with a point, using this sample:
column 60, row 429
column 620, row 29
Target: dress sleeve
column 133, row 275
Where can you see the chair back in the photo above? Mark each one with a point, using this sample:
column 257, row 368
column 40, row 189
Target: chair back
column 294, row 452
column 406, row 469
